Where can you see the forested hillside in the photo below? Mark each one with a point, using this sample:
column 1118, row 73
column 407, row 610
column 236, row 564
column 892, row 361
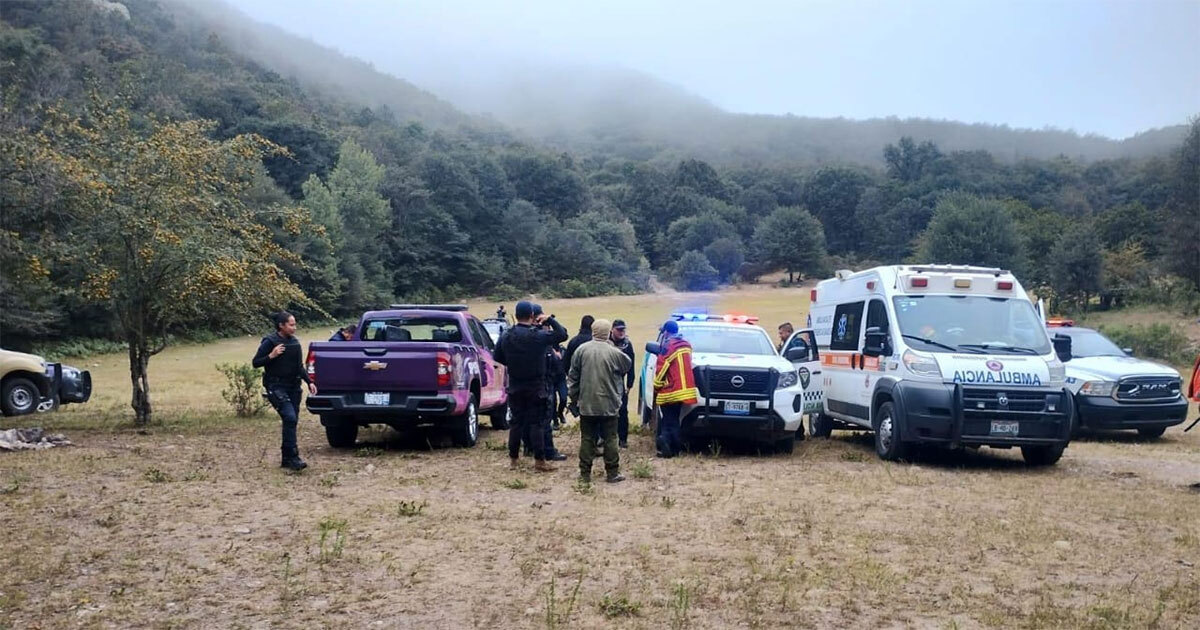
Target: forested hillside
column 361, row 198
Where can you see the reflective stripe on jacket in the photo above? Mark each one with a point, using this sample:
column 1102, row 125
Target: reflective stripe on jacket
column 674, row 382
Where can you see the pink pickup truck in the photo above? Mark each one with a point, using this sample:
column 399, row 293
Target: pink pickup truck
column 412, row 365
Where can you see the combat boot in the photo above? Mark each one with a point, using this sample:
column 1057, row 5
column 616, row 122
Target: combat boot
column 291, row 460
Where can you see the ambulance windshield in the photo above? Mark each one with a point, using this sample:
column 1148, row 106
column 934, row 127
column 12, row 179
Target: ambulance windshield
column 971, row 323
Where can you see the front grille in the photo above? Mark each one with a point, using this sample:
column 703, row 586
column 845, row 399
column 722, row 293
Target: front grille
column 735, row 383
column 1041, row 413
column 1146, row 388
column 981, row 400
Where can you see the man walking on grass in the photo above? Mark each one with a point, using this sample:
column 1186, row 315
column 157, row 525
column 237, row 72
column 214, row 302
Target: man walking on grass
column 596, row 384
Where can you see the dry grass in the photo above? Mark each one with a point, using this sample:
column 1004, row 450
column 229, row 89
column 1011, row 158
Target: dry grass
column 219, row 536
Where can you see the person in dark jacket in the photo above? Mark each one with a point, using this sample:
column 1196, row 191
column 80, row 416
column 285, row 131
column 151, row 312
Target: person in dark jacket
column 622, row 342
column 280, row 356
column 345, row 333
column 523, row 350
column 554, row 368
column 584, row 336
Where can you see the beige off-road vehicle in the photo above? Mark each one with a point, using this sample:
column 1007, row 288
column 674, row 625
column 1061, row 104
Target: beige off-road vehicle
column 29, row 384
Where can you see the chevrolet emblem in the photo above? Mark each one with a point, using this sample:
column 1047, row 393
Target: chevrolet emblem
column 374, row 366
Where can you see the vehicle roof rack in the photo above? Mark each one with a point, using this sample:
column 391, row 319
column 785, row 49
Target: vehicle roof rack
column 458, row 308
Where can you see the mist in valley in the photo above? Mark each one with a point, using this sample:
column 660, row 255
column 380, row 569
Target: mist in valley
column 811, row 81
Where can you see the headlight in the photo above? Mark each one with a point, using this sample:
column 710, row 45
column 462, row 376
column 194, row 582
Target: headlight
column 921, row 364
column 786, row 379
column 1058, row 372
column 1098, row 388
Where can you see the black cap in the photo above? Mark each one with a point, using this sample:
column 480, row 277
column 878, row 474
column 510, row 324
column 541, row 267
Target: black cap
column 524, row 309
column 619, row 324
column 537, row 310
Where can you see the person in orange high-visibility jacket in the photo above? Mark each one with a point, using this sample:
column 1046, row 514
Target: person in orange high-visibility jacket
column 674, row 387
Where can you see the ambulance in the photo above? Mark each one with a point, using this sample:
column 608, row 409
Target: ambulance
column 747, row 390
column 939, row 354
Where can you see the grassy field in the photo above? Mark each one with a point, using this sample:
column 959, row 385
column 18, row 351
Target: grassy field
column 191, row 524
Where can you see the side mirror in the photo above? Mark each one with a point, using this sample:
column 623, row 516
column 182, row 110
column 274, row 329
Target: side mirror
column 876, row 343
column 1062, row 347
column 1128, row 351
column 653, row 348
column 798, row 353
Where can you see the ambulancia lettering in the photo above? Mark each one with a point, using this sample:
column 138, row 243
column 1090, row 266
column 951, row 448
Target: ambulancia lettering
column 997, row 378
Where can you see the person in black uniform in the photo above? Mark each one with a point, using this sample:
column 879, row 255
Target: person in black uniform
column 345, row 333
column 279, row 355
column 554, row 373
column 523, row 350
column 621, row 340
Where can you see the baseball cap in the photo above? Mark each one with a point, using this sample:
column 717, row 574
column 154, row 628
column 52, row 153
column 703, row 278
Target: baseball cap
column 618, row 324
column 524, row 309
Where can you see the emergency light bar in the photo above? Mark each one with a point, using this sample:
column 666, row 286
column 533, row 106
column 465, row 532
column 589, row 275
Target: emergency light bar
column 705, row 317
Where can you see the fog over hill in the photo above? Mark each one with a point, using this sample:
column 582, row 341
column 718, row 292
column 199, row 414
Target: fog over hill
column 601, row 106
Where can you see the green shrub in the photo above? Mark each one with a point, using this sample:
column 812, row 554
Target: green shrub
column 1154, row 341
column 244, row 392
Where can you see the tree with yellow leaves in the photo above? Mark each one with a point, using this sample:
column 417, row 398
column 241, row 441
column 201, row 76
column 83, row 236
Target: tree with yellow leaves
column 154, row 226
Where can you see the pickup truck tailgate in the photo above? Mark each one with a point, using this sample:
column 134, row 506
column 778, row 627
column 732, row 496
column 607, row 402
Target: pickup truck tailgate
column 363, row 366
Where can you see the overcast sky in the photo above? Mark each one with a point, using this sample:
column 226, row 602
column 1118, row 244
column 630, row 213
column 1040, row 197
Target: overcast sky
column 1113, row 67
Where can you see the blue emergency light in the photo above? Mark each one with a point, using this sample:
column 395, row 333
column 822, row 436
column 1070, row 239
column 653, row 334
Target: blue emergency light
column 705, row 317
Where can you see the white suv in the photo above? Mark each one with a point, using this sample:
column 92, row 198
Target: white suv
column 747, row 390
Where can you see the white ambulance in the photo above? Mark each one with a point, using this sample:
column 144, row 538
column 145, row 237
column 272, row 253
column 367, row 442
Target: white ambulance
column 939, row 354
column 747, row 390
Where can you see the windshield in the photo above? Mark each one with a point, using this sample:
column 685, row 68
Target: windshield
column 1089, row 343
column 494, row 329
column 413, row 329
column 727, row 340
column 953, row 323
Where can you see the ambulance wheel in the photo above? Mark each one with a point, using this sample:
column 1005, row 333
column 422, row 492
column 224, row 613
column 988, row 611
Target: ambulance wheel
column 1042, row 455
column 820, row 425
column 888, row 444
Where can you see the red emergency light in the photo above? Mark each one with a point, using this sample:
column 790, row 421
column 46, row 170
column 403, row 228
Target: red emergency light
column 919, row 283
column 812, row 295
column 1004, row 285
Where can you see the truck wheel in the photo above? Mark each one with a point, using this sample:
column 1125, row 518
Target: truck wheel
column 501, row 418
column 465, row 430
column 787, row 445
column 888, row 444
column 1151, row 433
column 1042, row 455
column 341, row 433
column 819, row 425
column 1076, row 423
column 20, row 396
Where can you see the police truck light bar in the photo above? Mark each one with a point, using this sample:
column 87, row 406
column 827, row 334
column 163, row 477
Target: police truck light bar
column 705, row 317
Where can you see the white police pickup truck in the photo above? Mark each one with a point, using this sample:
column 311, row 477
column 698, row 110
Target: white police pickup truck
column 747, row 390
column 1114, row 390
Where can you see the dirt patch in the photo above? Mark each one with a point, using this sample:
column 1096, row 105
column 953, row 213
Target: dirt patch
column 200, row 528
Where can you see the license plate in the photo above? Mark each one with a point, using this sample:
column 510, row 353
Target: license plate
column 737, row 407
column 1005, row 428
column 377, row 398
